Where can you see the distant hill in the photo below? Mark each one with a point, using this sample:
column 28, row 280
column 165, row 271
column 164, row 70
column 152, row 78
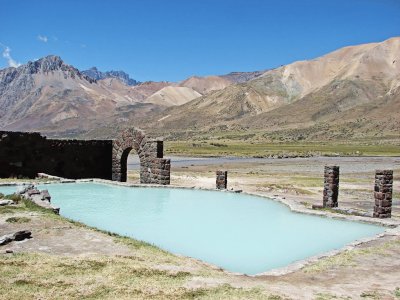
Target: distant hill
column 354, row 87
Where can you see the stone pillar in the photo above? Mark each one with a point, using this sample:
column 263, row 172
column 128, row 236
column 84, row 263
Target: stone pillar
column 383, row 193
column 221, row 180
column 331, row 186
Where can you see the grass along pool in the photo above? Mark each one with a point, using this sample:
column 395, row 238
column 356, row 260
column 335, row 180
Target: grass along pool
column 240, row 233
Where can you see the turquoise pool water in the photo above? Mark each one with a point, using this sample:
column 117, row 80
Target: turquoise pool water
column 7, row 190
column 239, row 233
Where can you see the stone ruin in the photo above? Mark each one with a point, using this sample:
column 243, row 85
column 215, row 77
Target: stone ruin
column 383, row 193
column 221, row 181
column 383, row 190
column 331, row 186
column 153, row 167
column 25, row 154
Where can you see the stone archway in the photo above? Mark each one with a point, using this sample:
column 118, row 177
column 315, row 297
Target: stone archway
column 153, row 167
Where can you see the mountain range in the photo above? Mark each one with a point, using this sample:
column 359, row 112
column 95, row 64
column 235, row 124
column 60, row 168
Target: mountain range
column 353, row 92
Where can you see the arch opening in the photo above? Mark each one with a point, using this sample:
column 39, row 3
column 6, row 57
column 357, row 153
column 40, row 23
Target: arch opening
column 124, row 164
column 153, row 167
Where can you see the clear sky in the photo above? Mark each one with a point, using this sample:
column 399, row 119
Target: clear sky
column 174, row 39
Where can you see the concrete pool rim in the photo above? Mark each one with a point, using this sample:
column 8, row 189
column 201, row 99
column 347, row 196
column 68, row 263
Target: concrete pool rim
column 392, row 226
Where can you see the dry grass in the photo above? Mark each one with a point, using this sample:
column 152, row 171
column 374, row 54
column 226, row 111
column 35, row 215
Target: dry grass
column 225, row 145
column 42, row 276
column 147, row 273
column 348, row 258
column 18, row 220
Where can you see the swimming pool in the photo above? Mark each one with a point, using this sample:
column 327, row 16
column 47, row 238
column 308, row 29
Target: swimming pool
column 240, row 233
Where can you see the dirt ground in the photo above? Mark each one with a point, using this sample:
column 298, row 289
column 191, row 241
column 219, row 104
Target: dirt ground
column 370, row 271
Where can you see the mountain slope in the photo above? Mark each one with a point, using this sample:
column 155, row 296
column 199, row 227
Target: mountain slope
column 204, row 85
column 350, row 93
column 52, row 96
column 344, row 85
column 172, row 96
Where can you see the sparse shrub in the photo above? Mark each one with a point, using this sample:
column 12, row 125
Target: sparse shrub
column 14, row 197
column 18, row 220
column 397, row 292
column 218, row 145
column 370, row 295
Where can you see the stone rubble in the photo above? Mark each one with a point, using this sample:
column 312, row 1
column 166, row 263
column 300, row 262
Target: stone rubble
column 17, row 236
column 4, row 202
column 41, row 198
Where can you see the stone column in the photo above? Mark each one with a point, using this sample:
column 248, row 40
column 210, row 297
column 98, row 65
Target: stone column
column 383, row 193
column 331, row 186
column 221, row 180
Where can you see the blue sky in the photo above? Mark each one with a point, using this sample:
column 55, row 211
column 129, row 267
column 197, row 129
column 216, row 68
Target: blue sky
column 174, row 39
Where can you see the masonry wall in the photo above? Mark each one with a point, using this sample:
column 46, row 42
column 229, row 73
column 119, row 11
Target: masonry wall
column 25, row 154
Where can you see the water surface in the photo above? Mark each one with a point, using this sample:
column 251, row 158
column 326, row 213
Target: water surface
column 239, row 233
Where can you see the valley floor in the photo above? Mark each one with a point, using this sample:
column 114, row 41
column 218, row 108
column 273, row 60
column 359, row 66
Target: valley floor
column 65, row 259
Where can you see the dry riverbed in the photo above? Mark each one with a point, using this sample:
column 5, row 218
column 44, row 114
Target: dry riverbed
column 65, row 259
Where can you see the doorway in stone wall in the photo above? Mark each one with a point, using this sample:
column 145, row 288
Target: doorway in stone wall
column 130, row 166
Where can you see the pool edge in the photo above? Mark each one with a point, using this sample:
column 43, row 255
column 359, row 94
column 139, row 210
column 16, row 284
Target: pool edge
column 392, row 227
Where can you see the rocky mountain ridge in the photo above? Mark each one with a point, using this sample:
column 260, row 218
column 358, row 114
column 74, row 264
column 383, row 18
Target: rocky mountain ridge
column 351, row 92
column 95, row 74
column 51, row 96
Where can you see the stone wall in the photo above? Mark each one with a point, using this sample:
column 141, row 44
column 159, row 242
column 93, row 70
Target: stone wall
column 24, row 154
column 153, row 167
column 331, row 186
column 383, row 193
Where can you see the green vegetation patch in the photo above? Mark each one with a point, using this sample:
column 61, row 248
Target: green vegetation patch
column 14, row 197
column 370, row 295
column 25, row 205
column 328, row 296
column 220, row 146
column 18, row 220
column 397, row 292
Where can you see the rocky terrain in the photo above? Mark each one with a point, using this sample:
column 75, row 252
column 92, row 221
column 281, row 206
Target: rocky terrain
column 57, row 99
column 354, row 89
column 52, row 96
column 95, row 74
column 351, row 93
